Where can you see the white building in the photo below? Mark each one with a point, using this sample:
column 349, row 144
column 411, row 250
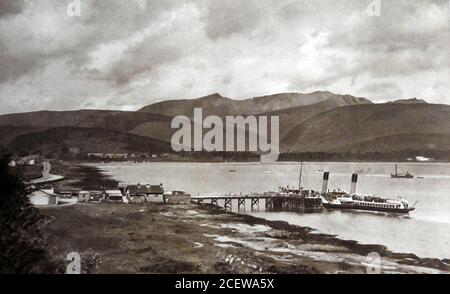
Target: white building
column 422, row 159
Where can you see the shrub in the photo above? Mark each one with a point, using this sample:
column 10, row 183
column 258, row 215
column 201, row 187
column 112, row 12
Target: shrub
column 22, row 245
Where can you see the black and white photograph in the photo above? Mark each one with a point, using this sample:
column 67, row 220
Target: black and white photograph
column 224, row 137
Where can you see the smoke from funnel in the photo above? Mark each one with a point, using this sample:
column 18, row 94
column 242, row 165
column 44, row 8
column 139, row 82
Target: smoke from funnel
column 325, row 182
column 354, row 181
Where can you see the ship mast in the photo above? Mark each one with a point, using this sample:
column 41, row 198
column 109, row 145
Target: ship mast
column 300, row 178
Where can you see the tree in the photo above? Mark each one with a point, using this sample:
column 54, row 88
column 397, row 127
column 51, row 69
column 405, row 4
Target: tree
column 22, row 245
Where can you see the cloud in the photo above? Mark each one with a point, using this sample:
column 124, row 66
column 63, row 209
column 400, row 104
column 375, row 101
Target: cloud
column 126, row 54
column 11, row 7
column 225, row 18
column 382, row 91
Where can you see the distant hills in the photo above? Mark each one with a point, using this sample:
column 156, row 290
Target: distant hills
column 65, row 140
column 217, row 105
column 373, row 128
column 120, row 121
column 292, row 108
column 314, row 122
column 409, row 101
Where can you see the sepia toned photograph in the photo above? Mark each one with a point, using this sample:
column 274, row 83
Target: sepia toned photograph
column 227, row 137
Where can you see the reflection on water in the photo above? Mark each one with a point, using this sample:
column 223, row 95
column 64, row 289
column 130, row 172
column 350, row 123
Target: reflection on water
column 426, row 232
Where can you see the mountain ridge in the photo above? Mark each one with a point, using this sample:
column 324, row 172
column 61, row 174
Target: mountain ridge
column 315, row 122
column 216, row 104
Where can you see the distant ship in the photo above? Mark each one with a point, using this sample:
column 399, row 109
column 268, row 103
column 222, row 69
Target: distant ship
column 401, row 176
column 353, row 201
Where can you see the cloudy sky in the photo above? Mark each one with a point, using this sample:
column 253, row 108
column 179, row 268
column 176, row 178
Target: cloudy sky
column 124, row 54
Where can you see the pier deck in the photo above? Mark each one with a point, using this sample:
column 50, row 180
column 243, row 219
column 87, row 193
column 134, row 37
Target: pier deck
column 272, row 202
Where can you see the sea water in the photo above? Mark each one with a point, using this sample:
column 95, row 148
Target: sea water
column 424, row 232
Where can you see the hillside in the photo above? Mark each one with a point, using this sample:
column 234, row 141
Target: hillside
column 393, row 143
column 60, row 140
column 14, row 125
column 121, row 121
column 154, row 121
column 8, row 133
column 217, row 105
column 292, row 108
column 316, row 122
column 377, row 127
column 410, row 101
column 292, row 117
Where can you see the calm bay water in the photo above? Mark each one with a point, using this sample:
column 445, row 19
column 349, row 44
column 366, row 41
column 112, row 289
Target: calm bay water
column 425, row 232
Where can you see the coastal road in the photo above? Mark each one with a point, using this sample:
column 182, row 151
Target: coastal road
column 46, row 175
column 46, row 169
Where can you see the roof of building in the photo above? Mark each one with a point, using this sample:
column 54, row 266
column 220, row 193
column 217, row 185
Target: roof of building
column 66, row 189
column 113, row 192
column 145, row 189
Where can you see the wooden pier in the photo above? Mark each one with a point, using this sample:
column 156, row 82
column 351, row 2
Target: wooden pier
column 272, row 202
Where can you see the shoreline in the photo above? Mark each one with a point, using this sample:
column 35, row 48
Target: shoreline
column 383, row 248
column 327, row 246
column 191, row 238
column 356, row 247
column 190, row 160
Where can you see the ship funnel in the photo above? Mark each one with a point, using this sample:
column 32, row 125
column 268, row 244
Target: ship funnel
column 325, row 182
column 354, row 181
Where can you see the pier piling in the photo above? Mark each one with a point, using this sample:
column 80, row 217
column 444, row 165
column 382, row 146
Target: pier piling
column 272, row 203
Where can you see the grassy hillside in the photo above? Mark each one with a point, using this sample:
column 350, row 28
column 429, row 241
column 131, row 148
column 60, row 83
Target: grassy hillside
column 8, row 133
column 14, row 125
column 378, row 127
column 292, row 117
column 60, row 140
column 154, row 129
column 411, row 141
column 121, row 121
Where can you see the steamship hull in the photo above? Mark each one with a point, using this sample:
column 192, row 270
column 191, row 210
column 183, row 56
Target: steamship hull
column 353, row 201
column 313, row 204
column 348, row 206
column 402, row 176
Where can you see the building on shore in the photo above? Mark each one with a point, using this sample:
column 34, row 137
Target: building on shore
column 144, row 193
column 44, row 197
column 97, row 196
column 84, row 196
column 110, row 156
column 115, row 196
column 67, row 192
column 175, row 197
